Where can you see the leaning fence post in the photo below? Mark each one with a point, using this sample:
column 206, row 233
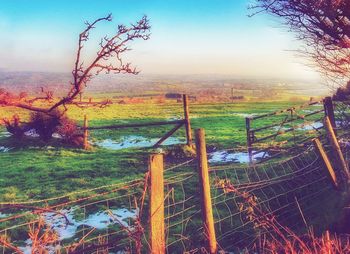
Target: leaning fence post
column 157, row 229
column 329, row 110
column 204, row 184
column 249, row 139
column 86, row 133
column 336, row 148
column 319, row 148
column 187, row 119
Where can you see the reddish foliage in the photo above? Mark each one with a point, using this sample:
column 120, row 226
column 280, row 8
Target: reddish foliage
column 110, row 48
column 324, row 26
column 14, row 126
column 48, row 117
column 70, row 132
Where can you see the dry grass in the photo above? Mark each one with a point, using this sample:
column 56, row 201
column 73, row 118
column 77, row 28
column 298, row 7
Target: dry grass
column 274, row 238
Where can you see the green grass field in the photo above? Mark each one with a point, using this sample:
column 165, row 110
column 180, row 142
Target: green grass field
column 33, row 170
column 38, row 171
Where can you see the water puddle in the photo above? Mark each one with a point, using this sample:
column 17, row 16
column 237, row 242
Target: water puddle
column 3, row 215
column 306, row 127
column 57, row 136
column 311, row 126
column 31, row 133
column 100, row 220
column 174, row 118
column 136, row 142
column 235, row 157
column 279, row 128
column 306, row 111
column 244, row 115
column 4, row 149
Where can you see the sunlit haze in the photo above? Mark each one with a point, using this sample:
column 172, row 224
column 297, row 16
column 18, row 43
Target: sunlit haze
column 188, row 37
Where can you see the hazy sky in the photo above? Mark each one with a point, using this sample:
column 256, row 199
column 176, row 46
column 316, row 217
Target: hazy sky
column 188, row 37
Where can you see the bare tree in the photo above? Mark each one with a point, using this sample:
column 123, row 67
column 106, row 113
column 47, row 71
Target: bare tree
column 324, row 26
column 108, row 60
column 47, row 112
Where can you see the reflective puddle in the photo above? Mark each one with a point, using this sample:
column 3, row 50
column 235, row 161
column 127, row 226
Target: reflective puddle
column 236, row 157
column 136, row 142
column 100, row 220
column 306, row 127
column 4, row 149
column 244, row 115
column 312, row 126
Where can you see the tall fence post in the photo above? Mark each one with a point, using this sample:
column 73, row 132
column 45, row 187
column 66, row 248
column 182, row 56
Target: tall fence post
column 204, row 184
column 157, row 229
column 187, row 119
column 249, row 140
column 320, row 150
column 86, row 133
column 336, row 148
column 329, row 110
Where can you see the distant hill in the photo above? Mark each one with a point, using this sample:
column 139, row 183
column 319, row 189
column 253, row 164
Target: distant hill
column 31, row 82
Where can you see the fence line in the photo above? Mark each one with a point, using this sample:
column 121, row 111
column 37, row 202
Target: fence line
column 275, row 185
column 178, row 124
column 295, row 120
column 133, row 217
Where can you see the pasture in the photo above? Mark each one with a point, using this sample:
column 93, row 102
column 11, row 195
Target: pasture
column 94, row 186
column 42, row 171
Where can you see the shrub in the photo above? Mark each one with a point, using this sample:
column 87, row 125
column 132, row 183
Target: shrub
column 342, row 93
column 14, row 126
column 45, row 124
column 69, row 132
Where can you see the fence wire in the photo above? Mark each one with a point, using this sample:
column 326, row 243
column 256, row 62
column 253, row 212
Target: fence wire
column 290, row 191
column 342, row 114
column 114, row 218
column 182, row 209
column 279, row 133
column 109, row 219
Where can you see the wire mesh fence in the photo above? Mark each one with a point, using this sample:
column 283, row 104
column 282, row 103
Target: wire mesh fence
column 115, row 218
column 103, row 218
column 278, row 133
column 181, row 210
column 287, row 190
column 342, row 114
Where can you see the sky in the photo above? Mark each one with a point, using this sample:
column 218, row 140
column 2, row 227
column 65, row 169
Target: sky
column 188, row 37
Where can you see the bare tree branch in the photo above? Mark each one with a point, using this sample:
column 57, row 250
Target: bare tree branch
column 324, row 26
column 109, row 59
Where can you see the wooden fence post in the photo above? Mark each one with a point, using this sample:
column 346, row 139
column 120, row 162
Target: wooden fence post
column 336, row 148
column 204, row 184
column 249, row 140
column 187, row 120
column 323, row 155
column 157, row 229
column 86, row 133
column 329, row 110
